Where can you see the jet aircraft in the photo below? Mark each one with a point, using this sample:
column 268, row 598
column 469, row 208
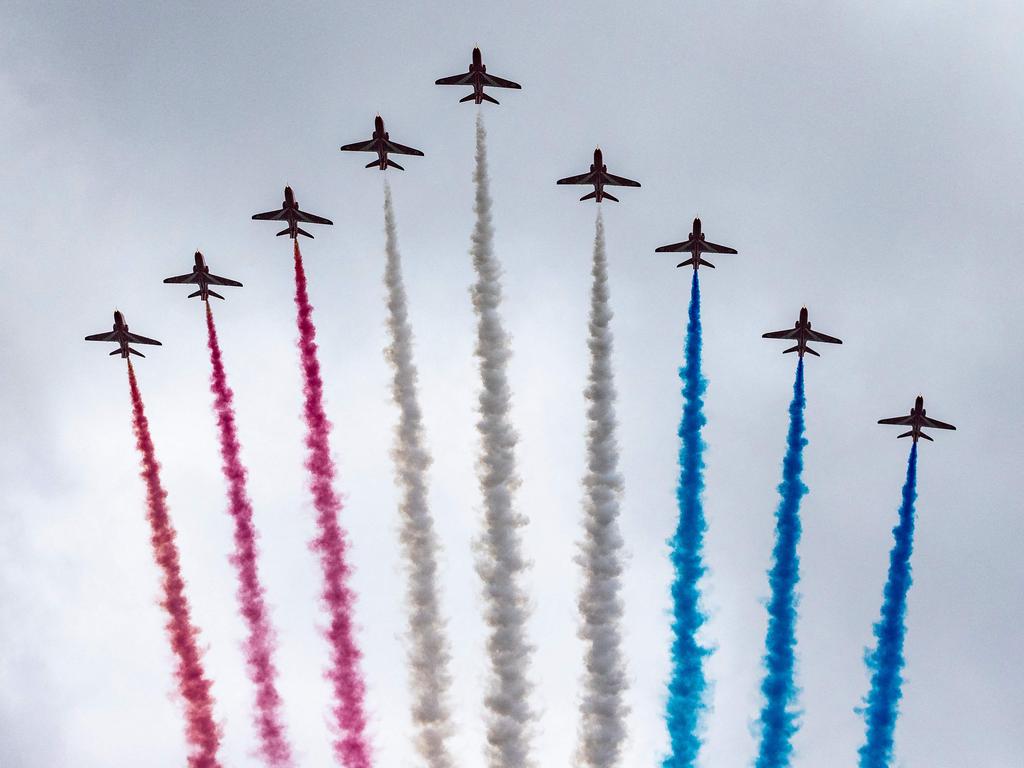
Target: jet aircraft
column 695, row 245
column 478, row 78
column 382, row 145
column 122, row 337
column 802, row 333
column 599, row 177
column 201, row 276
column 290, row 212
column 916, row 420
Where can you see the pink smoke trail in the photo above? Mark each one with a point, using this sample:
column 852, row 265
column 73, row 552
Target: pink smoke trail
column 259, row 646
column 350, row 747
column 201, row 732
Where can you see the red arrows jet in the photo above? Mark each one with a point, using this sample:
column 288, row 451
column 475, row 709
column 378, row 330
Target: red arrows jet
column 381, row 144
column 802, row 333
column 695, row 245
column 599, row 177
column 290, row 212
column 122, row 337
column 478, row 78
column 201, row 276
column 916, row 420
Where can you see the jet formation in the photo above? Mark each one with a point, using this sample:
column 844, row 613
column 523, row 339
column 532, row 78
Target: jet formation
column 381, row 144
column 122, row 337
column 600, row 178
column 802, row 332
column 478, row 78
column 290, row 212
column 696, row 244
column 201, row 276
column 916, row 421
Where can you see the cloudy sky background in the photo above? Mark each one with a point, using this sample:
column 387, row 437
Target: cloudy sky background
column 866, row 160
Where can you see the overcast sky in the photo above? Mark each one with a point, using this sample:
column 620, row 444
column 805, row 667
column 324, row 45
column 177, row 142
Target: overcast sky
column 865, row 159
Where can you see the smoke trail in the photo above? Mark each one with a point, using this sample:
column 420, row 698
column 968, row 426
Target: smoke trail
column 886, row 661
column 201, row 732
column 259, row 645
column 686, row 689
column 602, row 710
column 350, row 745
column 429, row 655
column 778, row 717
column 500, row 562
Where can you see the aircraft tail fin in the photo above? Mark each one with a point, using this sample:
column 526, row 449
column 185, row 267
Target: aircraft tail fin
column 468, row 98
column 591, row 196
column 491, row 99
column 215, row 295
column 303, row 232
column 393, row 164
column 283, row 232
column 193, row 295
column 135, row 352
column 613, row 198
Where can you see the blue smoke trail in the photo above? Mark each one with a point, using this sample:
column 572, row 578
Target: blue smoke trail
column 686, row 688
column 778, row 716
column 886, row 661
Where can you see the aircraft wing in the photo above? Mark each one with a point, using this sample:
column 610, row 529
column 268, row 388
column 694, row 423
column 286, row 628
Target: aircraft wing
column 824, row 338
column 400, row 149
column 312, row 218
column 361, row 146
column 189, row 278
column 108, row 336
column 715, row 248
column 464, row 79
column 902, row 420
column 583, row 178
column 935, row 424
column 619, row 181
column 789, row 333
column 134, row 338
column 218, row 280
column 277, row 215
column 676, row 247
column 499, row 82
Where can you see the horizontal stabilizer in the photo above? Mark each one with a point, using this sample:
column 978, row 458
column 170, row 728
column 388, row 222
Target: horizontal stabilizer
column 135, row 352
column 393, row 164
column 116, row 352
column 810, row 351
column 468, row 98
column 372, row 164
column 591, row 196
column 215, row 295
column 613, row 198
column 193, row 295
column 491, row 99
column 284, row 232
column 791, row 349
column 304, row 232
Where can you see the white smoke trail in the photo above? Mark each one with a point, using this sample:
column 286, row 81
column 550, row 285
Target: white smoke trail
column 429, row 655
column 602, row 709
column 500, row 562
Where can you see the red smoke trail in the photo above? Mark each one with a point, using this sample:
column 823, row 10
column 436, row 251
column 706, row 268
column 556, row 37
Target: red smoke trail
column 350, row 748
column 274, row 747
column 201, row 731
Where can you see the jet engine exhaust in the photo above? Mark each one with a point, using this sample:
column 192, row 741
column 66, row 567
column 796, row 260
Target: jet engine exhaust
column 881, row 707
column 602, row 709
column 500, row 562
column 429, row 655
column 351, row 748
column 778, row 721
column 274, row 748
column 201, row 731
column 686, row 690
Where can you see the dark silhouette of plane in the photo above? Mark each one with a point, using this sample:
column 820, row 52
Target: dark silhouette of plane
column 695, row 245
column 802, row 333
column 122, row 337
column 916, row 420
column 382, row 145
column 201, row 276
column 478, row 78
column 599, row 177
column 290, row 212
